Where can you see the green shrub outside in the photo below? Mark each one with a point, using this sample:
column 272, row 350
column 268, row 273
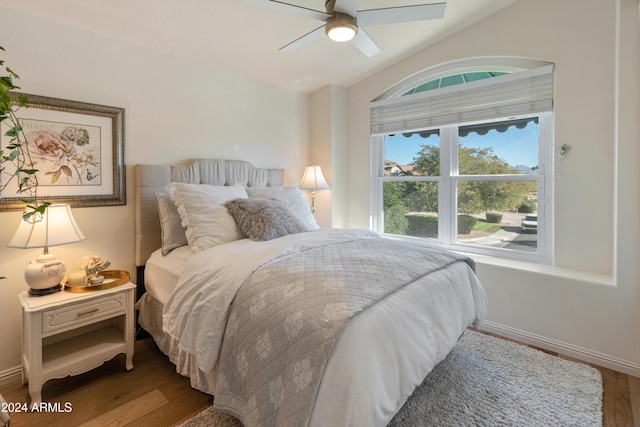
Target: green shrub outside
column 395, row 221
column 466, row 223
column 422, row 225
column 527, row 206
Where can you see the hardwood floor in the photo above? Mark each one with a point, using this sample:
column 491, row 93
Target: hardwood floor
column 153, row 394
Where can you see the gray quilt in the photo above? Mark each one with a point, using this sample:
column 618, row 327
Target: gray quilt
column 287, row 316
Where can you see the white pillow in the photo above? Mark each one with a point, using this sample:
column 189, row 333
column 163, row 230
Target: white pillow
column 202, row 211
column 292, row 198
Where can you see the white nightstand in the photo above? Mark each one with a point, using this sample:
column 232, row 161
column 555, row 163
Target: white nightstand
column 70, row 333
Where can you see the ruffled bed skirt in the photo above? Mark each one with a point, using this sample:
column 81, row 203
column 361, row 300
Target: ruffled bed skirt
column 150, row 319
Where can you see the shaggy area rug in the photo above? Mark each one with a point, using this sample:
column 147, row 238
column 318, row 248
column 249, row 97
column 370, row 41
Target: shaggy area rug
column 488, row 381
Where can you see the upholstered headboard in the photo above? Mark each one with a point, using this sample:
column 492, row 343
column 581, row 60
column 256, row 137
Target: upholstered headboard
column 152, row 179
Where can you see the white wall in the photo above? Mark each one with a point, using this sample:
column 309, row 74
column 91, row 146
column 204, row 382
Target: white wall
column 174, row 110
column 588, row 302
column 320, row 150
column 329, row 150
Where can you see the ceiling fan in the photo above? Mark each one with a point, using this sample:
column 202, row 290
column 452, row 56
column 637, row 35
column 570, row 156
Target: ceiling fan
column 344, row 22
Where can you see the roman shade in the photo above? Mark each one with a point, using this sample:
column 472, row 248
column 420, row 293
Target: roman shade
column 525, row 92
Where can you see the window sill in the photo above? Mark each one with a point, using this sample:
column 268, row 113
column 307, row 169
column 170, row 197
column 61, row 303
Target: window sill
column 544, row 269
column 524, row 266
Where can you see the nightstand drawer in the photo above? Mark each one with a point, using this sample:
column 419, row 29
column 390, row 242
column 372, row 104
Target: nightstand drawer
column 65, row 317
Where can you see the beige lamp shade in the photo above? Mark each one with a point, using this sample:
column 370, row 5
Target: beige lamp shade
column 56, row 227
column 313, row 179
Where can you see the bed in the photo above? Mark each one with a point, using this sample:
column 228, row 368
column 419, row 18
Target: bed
column 304, row 327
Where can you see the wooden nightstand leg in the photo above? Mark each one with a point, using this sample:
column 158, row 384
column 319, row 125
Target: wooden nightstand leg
column 35, row 374
column 26, row 324
column 32, row 357
column 130, row 330
column 129, row 362
column 35, row 391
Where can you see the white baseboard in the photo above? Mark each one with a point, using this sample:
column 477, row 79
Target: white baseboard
column 10, row 376
column 589, row 356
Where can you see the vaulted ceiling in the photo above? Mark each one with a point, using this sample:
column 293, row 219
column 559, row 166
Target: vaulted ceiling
column 245, row 38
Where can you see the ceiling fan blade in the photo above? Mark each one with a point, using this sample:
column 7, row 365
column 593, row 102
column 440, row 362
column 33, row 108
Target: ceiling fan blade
column 350, row 7
column 290, row 8
column 394, row 15
column 310, row 36
column 365, row 44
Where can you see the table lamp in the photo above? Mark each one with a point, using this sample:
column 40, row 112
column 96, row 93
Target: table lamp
column 56, row 227
column 313, row 180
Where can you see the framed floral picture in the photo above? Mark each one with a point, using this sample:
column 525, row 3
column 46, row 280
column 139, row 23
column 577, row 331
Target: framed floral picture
column 77, row 149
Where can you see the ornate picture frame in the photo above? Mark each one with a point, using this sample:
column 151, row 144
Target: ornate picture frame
column 78, row 150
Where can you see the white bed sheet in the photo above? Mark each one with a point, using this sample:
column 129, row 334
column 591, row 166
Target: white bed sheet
column 382, row 354
column 386, row 351
column 162, row 272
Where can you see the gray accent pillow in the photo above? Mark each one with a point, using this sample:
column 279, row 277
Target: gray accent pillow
column 173, row 233
column 291, row 197
column 264, row 219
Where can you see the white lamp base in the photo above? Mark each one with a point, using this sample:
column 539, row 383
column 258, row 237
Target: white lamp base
column 44, row 274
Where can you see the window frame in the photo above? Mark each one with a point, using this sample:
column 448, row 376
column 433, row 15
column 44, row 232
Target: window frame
column 447, row 184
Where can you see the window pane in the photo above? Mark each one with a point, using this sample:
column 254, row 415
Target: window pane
column 506, row 147
column 451, row 80
column 416, row 153
column 471, row 77
column 499, row 214
column 411, row 208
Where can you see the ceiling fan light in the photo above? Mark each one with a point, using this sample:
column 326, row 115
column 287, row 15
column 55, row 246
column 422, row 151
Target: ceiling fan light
column 341, row 34
column 341, row 27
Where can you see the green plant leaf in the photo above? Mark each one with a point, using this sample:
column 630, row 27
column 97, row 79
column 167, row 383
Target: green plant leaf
column 34, row 208
column 10, row 71
column 7, row 82
column 14, row 131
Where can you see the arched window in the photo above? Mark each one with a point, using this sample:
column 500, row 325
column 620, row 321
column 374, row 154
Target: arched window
column 454, row 79
column 462, row 158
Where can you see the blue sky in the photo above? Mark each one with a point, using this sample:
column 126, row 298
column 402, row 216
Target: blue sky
column 515, row 146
